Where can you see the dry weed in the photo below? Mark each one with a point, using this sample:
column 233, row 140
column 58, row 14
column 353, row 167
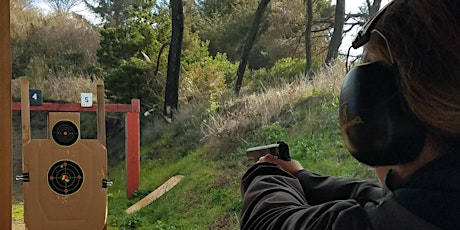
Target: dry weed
column 251, row 111
column 54, row 88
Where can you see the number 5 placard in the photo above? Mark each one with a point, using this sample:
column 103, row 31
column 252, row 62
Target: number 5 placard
column 86, row 99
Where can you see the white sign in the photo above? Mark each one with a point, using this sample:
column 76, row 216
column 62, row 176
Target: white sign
column 86, row 99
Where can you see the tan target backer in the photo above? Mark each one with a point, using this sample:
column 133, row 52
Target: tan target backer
column 65, row 178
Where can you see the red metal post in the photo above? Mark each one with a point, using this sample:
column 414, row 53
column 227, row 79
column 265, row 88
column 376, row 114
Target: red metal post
column 133, row 149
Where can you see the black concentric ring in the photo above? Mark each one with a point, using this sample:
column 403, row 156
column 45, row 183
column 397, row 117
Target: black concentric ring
column 65, row 133
column 65, row 177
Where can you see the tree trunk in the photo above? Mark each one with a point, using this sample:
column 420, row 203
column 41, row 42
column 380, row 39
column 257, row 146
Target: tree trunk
column 308, row 28
column 172, row 79
column 336, row 39
column 248, row 43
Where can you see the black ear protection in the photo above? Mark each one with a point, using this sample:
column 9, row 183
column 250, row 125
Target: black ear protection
column 377, row 126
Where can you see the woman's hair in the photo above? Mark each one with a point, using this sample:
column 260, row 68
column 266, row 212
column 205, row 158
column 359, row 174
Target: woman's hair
column 423, row 38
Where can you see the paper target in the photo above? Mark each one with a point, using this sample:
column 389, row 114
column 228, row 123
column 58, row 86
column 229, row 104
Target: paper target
column 65, row 177
column 65, row 133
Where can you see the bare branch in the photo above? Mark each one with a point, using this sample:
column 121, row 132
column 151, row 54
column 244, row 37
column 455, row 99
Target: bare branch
column 351, row 27
column 321, row 29
column 63, row 6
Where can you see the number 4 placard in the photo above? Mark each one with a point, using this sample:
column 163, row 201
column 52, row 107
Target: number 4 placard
column 35, row 97
column 86, row 99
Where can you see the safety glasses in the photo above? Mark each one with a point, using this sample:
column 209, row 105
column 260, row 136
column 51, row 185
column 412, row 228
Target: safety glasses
column 364, row 35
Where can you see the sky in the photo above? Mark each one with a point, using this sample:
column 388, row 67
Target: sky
column 352, row 5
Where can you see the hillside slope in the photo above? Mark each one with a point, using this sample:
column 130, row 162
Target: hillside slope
column 208, row 149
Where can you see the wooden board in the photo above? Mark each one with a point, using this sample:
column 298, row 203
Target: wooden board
column 168, row 185
column 76, row 107
column 6, row 128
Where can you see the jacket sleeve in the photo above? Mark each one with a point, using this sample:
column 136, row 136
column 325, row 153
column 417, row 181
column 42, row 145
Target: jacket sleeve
column 321, row 189
column 274, row 199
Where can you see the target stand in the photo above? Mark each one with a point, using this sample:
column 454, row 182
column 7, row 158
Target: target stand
column 65, row 185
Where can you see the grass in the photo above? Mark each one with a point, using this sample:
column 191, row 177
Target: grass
column 208, row 147
column 195, row 202
column 18, row 211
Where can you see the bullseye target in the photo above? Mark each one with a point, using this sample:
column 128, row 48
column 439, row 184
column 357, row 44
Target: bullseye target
column 65, row 133
column 65, row 177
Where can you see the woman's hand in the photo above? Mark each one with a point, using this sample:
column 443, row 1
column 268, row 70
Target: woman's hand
column 291, row 167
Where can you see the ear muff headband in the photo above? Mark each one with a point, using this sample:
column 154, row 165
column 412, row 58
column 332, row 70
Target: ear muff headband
column 364, row 35
column 377, row 126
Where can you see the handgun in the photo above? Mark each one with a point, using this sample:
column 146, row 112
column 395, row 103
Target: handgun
column 280, row 150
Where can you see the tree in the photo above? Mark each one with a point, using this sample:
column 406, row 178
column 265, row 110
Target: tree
column 172, row 80
column 224, row 23
column 283, row 33
column 248, row 43
column 366, row 11
column 68, row 44
column 63, row 6
column 114, row 12
column 222, row 7
column 308, row 29
column 23, row 19
column 58, row 44
column 353, row 20
column 125, row 55
column 336, row 38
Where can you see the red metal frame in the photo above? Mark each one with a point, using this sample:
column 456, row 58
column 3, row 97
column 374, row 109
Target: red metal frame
column 132, row 132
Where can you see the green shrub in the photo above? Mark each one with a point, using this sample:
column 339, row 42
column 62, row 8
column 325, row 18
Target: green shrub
column 206, row 77
column 37, row 70
column 134, row 79
column 285, row 70
column 274, row 133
